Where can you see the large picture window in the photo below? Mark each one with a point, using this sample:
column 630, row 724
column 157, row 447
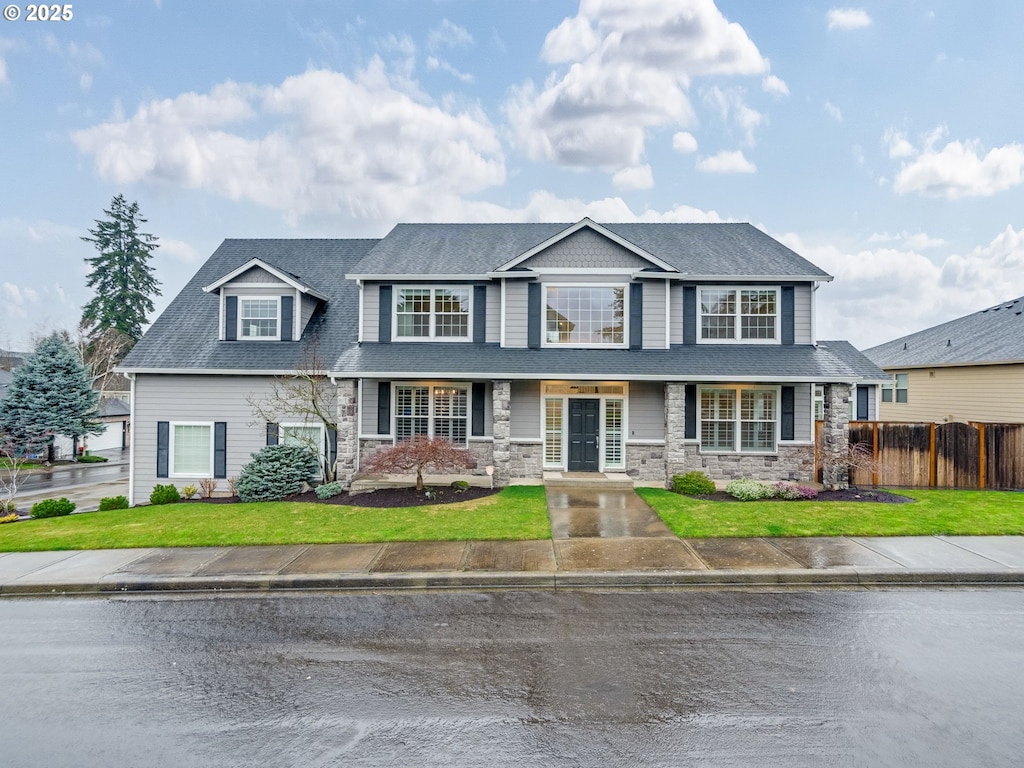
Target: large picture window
column 585, row 315
column 739, row 314
column 739, row 420
column 258, row 318
column 434, row 411
column 432, row 313
column 191, row 450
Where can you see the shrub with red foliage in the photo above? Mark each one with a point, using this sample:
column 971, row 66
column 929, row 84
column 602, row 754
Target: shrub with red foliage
column 420, row 452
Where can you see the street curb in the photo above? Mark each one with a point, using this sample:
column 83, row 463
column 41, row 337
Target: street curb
column 484, row 580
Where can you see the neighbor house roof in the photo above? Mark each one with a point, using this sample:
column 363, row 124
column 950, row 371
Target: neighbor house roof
column 992, row 335
column 185, row 336
column 697, row 251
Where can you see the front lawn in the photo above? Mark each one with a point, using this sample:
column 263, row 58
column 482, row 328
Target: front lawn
column 954, row 513
column 517, row 512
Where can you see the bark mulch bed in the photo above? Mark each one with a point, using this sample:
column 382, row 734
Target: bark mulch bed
column 850, row 494
column 381, row 499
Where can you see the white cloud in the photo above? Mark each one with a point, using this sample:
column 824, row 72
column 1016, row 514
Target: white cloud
column 833, row 111
column 774, row 85
column 897, row 143
column 959, row 169
column 3, row 71
column 440, row 64
column 178, row 250
column 626, row 68
column 882, row 293
column 637, row 177
column 684, row 142
column 848, row 18
column 732, row 108
column 449, row 35
column 319, row 142
column 726, row 162
column 915, row 241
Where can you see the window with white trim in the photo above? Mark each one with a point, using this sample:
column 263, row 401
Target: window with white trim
column 553, row 431
column 308, row 436
column 743, row 420
column 191, row 450
column 898, row 385
column 614, row 456
column 585, row 315
column 739, row 314
column 259, row 318
column 434, row 411
column 432, row 313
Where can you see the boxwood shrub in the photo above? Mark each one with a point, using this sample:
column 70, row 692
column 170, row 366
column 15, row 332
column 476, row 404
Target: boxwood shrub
column 52, row 508
column 693, row 484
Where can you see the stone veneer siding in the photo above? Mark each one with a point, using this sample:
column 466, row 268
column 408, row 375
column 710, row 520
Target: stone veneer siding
column 675, row 428
column 502, row 405
column 646, row 463
column 835, row 437
column 526, row 460
column 348, row 431
column 790, row 462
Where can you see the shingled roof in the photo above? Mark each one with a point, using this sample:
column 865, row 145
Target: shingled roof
column 992, row 335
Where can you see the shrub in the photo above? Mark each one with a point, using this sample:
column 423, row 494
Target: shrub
column 207, row 486
column 189, row 491
column 8, row 507
column 164, row 494
column 275, row 472
column 746, row 489
column 794, row 492
column 233, row 485
column 52, row 508
column 88, row 458
column 693, row 484
column 327, row 490
column 460, row 486
column 9, row 518
column 113, row 502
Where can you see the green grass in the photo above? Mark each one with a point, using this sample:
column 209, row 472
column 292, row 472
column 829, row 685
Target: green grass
column 954, row 513
column 517, row 512
column 5, row 463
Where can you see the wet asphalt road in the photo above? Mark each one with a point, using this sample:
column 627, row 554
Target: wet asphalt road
column 833, row 678
column 55, row 479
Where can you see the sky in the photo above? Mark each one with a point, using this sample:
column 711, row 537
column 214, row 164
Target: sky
column 883, row 141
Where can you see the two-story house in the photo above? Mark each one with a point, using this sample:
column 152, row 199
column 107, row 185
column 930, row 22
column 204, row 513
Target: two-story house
column 643, row 349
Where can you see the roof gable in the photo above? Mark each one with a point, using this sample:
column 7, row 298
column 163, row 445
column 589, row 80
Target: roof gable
column 255, row 270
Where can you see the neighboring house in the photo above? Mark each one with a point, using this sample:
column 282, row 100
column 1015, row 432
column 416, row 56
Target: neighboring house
column 6, row 377
column 644, row 349
column 969, row 369
column 10, row 360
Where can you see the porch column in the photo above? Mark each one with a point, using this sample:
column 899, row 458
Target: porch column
column 675, row 430
column 502, row 426
column 346, row 462
column 834, row 451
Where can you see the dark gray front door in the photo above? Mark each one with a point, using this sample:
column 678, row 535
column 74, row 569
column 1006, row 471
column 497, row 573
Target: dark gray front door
column 584, row 429
column 862, row 404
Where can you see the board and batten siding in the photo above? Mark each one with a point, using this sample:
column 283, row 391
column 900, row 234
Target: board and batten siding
column 525, row 410
column 195, row 398
column 985, row 393
column 646, row 412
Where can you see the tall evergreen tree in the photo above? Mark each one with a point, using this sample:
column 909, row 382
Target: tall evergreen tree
column 121, row 275
column 49, row 395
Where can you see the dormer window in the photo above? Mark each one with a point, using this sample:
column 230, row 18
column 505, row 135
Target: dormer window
column 259, row 318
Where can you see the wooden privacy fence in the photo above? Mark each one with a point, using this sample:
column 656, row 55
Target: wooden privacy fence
column 954, row 455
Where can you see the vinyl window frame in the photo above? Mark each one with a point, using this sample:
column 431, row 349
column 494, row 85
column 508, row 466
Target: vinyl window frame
column 172, row 469
column 431, row 415
column 544, row 340
column 737, row 314
column 737, row 421
column 433, row 312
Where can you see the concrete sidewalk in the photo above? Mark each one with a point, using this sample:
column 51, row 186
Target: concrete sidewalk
column 653, row 562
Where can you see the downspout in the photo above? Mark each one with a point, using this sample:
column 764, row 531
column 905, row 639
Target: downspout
column 814, row 312
column 131, row 435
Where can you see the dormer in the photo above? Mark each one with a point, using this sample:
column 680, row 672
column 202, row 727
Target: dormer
column 258, row 302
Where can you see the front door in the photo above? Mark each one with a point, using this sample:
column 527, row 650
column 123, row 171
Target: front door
column 862, row 404
column 584, row 431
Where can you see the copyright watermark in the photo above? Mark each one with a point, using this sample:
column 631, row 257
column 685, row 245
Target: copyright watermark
column 32, row 12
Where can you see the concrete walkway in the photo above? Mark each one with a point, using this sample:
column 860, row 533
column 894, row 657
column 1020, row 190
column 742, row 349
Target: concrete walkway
column 602, row 537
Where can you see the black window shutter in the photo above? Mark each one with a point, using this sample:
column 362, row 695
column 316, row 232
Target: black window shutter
column 788, row 409
column 690, row 319
column 788, row 315
column 332, row 445
column 287, row 312
column 690, row 428
column 163, row 433
column 533, row 315
column 383, row 407
column 220, row 449
column 231, row 318
column 479, row 393
column 384, row 315
column 273, row 433
column 479, row 314
column 636, row 315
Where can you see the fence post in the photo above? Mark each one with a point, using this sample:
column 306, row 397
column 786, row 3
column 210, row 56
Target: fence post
column 981, row 456
column 874, row 454
column 932, row 458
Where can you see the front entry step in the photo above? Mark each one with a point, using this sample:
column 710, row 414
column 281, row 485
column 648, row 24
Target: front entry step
column 604, row 480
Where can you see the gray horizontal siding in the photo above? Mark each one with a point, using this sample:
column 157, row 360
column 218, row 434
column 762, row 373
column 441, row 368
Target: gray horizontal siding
column 371, row 311
column 676, row 313
column 525, row 408
column 654, row 314
column 646, row 411
column 178, row 398
column 493, row 313
column 308, row 306
column 515, row 313
column 803, row 303
column 803, row 425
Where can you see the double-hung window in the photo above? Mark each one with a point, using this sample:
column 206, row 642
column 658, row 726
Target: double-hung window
column 899, row 385
column 585, row 315
column 432, row 313
column 434, row 411
column 191, row 450
column 259, row 318
column 739, row 314
column 738, row 420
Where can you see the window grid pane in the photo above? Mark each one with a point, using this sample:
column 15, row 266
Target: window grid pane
column 718, row 419
column 613, row 455
column 412, row 411
column 757, row 310
column 585, row 315
column 718, row 314
column 450, row 411
column 412, row 312
column 192, row 449
column 757, row 416
column 259, row 318
column 553, row 431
